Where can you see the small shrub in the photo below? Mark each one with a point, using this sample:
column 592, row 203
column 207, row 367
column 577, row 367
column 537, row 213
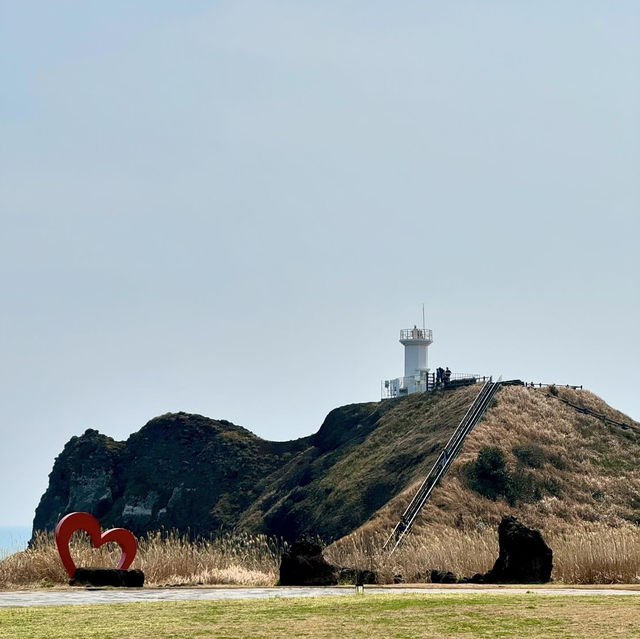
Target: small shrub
column 490, row 476
column 552, row 486
column 530, row 455
column 536, row 456
column 298, row 494
column 378, row 494
column 557, row 461
column 522, row 486
column 306, row 476
column 487, row 475
column 633, row 518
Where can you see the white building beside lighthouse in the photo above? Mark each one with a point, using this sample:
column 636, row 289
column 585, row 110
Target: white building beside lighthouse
column 416, row 342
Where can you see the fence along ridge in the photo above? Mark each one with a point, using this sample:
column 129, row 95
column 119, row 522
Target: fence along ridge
column 593, row 413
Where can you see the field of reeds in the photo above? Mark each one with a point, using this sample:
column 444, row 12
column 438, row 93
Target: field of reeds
column 586, row 555
column 167, row 560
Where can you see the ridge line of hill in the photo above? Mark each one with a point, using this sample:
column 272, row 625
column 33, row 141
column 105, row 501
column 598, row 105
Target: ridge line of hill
column 358, row 471
column 195, row 474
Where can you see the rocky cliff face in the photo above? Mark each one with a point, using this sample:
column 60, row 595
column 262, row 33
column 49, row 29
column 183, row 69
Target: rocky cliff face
column 83, row 478
column 199, row 475
column 179, row 471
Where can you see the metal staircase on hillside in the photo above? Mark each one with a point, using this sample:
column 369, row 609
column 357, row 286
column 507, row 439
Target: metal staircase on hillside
column 450, row 452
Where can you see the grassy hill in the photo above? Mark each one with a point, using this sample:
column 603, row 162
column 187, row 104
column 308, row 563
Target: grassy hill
column 561, row 467
column 571, row 475
column 362, row 456
column 533, row 456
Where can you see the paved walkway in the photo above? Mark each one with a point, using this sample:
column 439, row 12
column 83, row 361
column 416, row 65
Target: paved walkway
column 108, row 596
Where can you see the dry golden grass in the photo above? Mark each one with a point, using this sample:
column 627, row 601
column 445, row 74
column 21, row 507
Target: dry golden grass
column 597, row 555
column 587, row 554
column 250, row 560
column 462, row 553
column 595, row 467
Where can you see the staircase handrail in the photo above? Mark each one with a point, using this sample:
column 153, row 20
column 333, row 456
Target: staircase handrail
column 443, row 462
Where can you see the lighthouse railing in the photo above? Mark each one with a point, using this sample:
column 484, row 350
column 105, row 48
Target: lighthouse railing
column 426, row 382
column 417, row 334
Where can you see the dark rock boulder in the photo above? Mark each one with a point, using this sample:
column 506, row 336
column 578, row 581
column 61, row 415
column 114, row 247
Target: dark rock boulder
column 304, row 565
column 108, row 577
column 524, row 556
column 442, row 577
column 357, row 577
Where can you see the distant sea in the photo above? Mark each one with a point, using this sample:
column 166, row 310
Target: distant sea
column 13, row 539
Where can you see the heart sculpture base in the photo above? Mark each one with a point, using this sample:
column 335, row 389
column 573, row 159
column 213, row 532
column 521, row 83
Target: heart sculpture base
column 107, row 577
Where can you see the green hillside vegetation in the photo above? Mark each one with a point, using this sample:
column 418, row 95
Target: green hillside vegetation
column 180, row 471
column 202, row 476
column 362, row 457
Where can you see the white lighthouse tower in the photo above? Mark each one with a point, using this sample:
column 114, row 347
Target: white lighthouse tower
column 416, row 342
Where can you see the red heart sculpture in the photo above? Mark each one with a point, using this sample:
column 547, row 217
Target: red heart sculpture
column 84, row 521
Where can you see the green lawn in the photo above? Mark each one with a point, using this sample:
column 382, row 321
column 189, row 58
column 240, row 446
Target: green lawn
column 393, row 616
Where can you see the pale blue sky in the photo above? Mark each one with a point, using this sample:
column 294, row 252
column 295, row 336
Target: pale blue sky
column 232, row 208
